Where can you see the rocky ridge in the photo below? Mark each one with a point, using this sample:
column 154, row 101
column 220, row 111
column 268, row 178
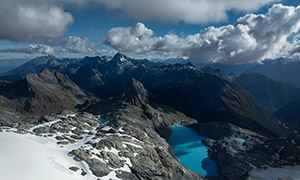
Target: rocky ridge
column 39, row 94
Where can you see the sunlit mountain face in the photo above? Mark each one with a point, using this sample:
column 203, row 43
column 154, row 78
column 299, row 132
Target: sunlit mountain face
column 139, row 90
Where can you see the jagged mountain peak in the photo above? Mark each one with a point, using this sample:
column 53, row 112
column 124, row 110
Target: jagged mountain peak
column 134, row 86
column 119, row 56
column 121, row 59
column 136, row 94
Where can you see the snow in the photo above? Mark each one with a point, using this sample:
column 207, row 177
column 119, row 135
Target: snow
column 71, row 115
column 30, row 157
column 68, row 115
column 45, row 124
column 125, row 168
column 112, row 150
column 122, row 59
column 121, row 129
column 146, row 134
column 35, row 158
column 106, row 128
column 131, row 144
column 286, row 172
column 124, row 135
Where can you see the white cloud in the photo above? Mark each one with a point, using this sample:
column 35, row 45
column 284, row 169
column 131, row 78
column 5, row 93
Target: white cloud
column 78, row 45
column 30, row 49
column 251, row 38
column 33, row 22
column 189, row 11
column 74, row 44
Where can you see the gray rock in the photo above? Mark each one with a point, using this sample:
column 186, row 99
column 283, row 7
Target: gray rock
column 114, row 160
column 59, row 138
column 76, row 137
column 98, row 168
column 41, row 130
column 62, row 143
column 82, row 154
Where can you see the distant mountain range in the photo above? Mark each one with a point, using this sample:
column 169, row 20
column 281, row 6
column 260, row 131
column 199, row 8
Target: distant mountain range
column 34, row 66
column 285, row 70
column 204, row 94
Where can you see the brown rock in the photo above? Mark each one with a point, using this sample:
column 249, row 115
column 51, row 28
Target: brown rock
column 74, row 168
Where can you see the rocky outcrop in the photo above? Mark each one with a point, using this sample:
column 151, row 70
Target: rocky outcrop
column 136, row 113
column 237, row 151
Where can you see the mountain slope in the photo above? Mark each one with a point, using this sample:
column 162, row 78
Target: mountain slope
column 205, row 95
column 290, row 113
column 158, row 117
column 46, row 92
column 208, row 98
column 35, row 66
column 137, row 113
column 285, row 70
column 270, row 93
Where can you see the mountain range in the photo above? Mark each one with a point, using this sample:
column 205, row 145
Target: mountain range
column 204, row 94
column 281, row 69
column 149, row 97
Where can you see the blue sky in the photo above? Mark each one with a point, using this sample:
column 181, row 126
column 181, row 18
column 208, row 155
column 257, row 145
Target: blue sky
column 97, row 21
column 76, row 29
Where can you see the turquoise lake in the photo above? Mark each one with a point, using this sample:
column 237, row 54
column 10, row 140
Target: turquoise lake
column 103, row 121
column 240, row 139
column 188, row 147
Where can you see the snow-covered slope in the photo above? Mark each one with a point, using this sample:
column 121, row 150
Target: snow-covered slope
column 61, row 148
column 30, row 157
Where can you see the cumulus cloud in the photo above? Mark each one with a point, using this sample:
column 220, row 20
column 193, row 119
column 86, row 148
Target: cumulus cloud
column 252, row 38
column 190, row 11
column 35, row 21
column 32, row 21
column 30, row 49
column 74, row 44
column 78, row 45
